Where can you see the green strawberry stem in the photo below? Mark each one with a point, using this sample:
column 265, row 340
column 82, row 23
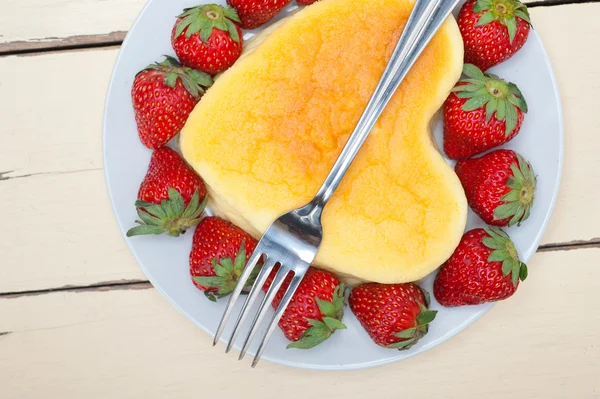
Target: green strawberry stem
column 411, row 336
column 518, row 202
column 207, row 17
column 171, row 216
column 227, row 274
column 504, row 251
column 320, row 331
column 504, row 11
column 195, row 82
column 499, row 98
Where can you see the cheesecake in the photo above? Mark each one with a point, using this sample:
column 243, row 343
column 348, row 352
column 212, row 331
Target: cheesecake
column 266, row 134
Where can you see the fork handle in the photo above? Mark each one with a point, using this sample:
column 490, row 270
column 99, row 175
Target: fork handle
column 424, row 21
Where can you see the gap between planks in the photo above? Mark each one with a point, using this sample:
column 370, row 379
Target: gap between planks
column 51, row 44
column 145, row 284
column 116, row 38
column 4, row 175
column 102, row 286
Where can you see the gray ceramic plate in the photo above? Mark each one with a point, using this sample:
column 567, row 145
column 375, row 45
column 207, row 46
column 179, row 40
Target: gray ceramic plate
column 165, row 260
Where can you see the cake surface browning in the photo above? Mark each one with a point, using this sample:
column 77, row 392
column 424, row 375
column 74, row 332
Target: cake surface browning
column 266, row 134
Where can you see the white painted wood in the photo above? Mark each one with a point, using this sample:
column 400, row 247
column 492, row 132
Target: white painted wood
column 26, row 22
column 567, row 32
column 60, row 229
column 542, row 343
column 53, row 124
column 30, row 24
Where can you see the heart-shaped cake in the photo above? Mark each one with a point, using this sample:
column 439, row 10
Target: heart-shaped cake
column 267, row 133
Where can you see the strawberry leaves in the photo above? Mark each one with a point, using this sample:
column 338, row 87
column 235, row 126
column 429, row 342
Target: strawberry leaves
column 411, row 336
column 519, row 200
column 488, row 91
column 504, row 251
column 503, row 11
column 171, row 216
column 205, row 18
column 195, row 82
column 321, row 330
column 511, row 26
column 227, row 274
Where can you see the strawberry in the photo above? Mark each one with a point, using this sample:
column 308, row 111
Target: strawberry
column 499, row 186
column 305, row 2
column 254, row 13
column 485, row 267
column 493, row 30
column 394, row 315
column 163, row 96
column 482, row 112
column 315, row 311
column 208, row 38
column 220, row 251
column 171, row 198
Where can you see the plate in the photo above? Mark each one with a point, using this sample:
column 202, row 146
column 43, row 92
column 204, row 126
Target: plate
column 165, row 260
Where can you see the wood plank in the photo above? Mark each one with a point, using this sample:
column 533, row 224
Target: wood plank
column 133, row 344
column 63, row 145
column 60, row 128
column 54, row 24
column 59, row 23
column 71, row 229
column 46, row 243
column 566, row 32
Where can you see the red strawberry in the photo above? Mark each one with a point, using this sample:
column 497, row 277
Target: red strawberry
column 171, row 198
column 395, row 315
column 482, row 112
column 306, row 2
column 208, row 38
column 163, row 96
column 499, row 186
column 493, row 30
column 485, row 267
column 315, row 311
column 254, row 13
column 220, row 251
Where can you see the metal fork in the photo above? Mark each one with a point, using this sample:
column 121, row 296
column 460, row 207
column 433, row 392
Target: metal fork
column 292, row 241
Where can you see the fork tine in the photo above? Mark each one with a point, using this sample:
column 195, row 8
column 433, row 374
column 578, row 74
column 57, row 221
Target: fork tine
column 252, row 296
column 252, row 262
column 278, row 313
column 264, row 307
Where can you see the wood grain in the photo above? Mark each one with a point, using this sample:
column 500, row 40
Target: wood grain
column 567, row 32
column 78, row 319
column 542, row 343
column 60, row 229
column 47, row 243
column 39, row 24
column 55, row 152
column 81, row 23
column 60, row 128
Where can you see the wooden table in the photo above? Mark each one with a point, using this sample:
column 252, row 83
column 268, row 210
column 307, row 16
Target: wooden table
column 78, row 319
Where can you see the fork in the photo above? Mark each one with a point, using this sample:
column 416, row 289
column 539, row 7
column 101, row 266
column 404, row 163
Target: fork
column 292, row 241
